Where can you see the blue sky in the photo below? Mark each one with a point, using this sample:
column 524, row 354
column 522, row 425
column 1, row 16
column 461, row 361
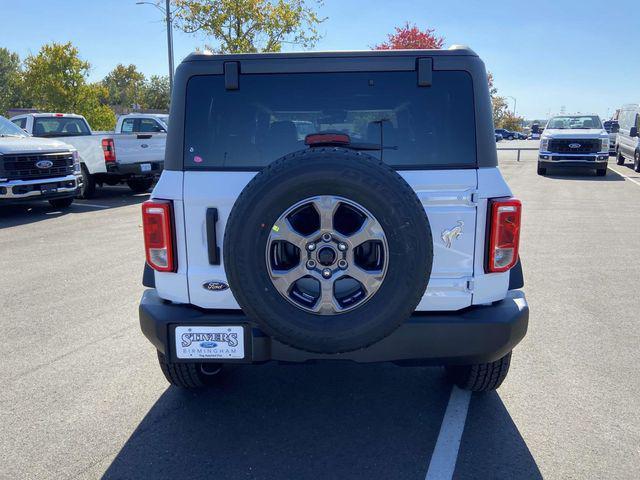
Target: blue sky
column 580, row 54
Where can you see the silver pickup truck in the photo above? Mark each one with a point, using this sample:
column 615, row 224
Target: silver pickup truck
column 105, row 157
column 36, row 168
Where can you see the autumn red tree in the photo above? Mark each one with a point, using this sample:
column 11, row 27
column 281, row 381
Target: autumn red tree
column 410, row 36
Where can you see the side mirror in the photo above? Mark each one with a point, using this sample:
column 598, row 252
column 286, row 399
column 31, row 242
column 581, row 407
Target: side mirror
column 633, row 132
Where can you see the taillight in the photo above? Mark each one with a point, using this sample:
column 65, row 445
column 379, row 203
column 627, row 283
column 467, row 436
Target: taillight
column 504, row 235
column 109, row 150
column 157, row 226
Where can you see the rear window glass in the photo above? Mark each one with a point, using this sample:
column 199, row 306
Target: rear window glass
column 271, row 114
column 59, row 127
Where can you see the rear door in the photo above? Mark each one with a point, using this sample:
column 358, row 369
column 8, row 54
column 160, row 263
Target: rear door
column 426, row 133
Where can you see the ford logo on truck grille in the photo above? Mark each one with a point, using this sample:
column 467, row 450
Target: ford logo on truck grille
column 44, row 164
column 574, row 145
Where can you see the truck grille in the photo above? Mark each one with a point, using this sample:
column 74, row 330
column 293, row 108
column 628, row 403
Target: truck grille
column 574, row 146
column 24, row 167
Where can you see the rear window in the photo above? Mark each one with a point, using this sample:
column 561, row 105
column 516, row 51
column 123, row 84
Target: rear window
column 59, row 127
column 271, row 114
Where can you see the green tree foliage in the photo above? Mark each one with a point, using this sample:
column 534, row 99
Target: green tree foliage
column 54, row 77
column 56, row 80
column 156, row 93
column 511, row 122
column 125, row 86
column 10, row 81
column 246, row 26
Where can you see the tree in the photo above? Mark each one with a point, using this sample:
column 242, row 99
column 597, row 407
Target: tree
column 125, row 85
column 10, row 81
column 511, row 122
column 156, row 93
column 247, row 26
column 53, row 78
column 409, row 36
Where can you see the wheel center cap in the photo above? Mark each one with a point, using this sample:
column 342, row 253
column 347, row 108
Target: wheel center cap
column 326, row 256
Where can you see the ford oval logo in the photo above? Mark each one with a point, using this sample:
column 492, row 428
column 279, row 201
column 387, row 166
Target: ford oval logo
column 208, row 344
column 214, row 286
column 44, row 164
column 574, row 145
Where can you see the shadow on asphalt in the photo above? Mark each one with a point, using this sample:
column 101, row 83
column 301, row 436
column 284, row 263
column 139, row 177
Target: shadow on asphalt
column 582, row 174
column 106, row 198
column 492, row 446
column 320, row 421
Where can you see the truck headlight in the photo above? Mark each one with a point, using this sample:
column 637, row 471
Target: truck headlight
column 76, row 162
column 544, row 144
column 605, row 145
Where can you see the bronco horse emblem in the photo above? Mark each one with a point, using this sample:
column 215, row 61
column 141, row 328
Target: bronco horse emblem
column 448, row 236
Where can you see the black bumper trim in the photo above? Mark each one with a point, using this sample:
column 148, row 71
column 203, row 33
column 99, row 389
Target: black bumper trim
column 474, row 335
column 134, row 169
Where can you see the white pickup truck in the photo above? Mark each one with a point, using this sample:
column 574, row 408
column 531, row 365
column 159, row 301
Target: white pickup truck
column 105, row 157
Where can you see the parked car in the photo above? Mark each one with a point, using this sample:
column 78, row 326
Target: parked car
column 612, row 127
column 628, row 145
column 536, row 131
column 36, row 168
column 506, row 134
column 364, row 241
column 142, row 123
column 574, row 141
column 105, row 158
column 499, row 137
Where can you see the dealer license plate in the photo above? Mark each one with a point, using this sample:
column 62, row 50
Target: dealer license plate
column 210, row 342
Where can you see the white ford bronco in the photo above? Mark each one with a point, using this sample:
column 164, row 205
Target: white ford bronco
column 333, row 206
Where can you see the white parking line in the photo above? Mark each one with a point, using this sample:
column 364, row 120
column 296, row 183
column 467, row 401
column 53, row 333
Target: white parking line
column 92, row 205
column 445, row 453
column 624, row 175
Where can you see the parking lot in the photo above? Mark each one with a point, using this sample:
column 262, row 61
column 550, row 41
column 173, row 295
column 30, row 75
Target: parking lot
column 83, row 397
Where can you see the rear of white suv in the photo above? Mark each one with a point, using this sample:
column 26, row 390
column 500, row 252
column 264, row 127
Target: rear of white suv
column 333, row 206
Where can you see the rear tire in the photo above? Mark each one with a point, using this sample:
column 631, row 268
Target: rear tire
column 88, row 189
column 601, row 172
column 140, row 185
column 482, row 377
column 61, row 202
column 620, row 158
column 189, row 375
column 542, row 171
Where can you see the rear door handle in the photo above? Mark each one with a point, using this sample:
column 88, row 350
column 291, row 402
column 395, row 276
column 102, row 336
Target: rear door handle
column 212, row 237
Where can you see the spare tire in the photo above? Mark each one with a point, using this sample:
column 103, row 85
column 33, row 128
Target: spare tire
column 328, row 250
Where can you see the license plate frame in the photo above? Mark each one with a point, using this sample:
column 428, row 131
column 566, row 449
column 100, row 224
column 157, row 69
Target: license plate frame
column 232, row 343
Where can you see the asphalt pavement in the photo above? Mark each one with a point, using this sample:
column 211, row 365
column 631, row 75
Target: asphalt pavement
column 82, row 395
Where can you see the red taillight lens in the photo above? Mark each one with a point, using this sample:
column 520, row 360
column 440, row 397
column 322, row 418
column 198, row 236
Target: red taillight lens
column 504, row 236
column 158, row 235
column 317, row 139
column 109, row 150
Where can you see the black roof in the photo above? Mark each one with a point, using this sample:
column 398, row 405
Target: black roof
column 455, row 50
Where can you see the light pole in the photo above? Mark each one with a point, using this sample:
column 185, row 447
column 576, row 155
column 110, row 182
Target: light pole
column 514, row 104
column 167, row 13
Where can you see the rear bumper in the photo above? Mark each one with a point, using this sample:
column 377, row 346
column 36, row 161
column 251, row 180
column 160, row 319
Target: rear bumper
column 135, row 169
column 17, row 191
column 474, row 335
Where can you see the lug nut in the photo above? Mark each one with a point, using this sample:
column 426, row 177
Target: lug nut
column 326, row 273
column 326, row 237
column 342, row 264
column 342, row 247
column 311, row 247
column 311, row 264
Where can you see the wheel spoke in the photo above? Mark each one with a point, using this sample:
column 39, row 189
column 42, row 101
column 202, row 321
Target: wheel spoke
column 282, row 230
column 326, row 207
column 369, row 279
column 326, row 303
column 370, row 230
column 284, row 279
